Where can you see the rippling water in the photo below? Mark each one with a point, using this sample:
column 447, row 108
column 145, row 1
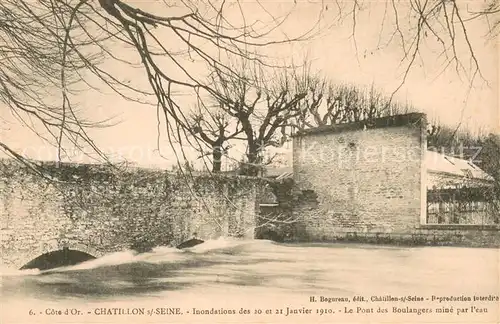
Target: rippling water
column 249, row 274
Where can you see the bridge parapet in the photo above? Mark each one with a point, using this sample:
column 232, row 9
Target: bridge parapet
column 98, row 210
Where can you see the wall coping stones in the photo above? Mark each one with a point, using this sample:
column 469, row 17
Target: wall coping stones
column 415, row 119
column 58, row 168
column 459, row 227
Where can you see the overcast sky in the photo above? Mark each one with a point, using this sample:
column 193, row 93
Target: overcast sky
column 334, row 53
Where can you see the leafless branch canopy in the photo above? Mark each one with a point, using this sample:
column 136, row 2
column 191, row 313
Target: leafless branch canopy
column 415, row 28
column 52, row 48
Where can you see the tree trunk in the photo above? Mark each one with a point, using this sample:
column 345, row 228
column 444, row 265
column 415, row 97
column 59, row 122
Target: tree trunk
column 253, row 166
column 217, row 158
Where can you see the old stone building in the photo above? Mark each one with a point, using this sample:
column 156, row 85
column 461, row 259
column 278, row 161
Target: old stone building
column 370, row 180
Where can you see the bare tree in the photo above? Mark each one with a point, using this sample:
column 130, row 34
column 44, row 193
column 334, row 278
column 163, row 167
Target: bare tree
column 38, row 64
column 172, row 45
column 215, row 129
column 263, row 105
column 443, row 25
column 263, row 108
column 489, row 161
column 453, row 140
column 330, row 104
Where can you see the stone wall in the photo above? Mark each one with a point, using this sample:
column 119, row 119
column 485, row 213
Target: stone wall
column 96, row 209
column 361, row 177
column 366, row 183
column 439, row 235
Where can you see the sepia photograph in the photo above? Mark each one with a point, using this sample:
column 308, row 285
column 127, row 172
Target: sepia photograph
column 249, row 161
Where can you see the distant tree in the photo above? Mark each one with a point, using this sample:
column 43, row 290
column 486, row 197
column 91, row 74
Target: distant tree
column 259, row 107
column 455, row 141
column 489, row 156
column 489, row 160
column 329, row 104
column 215, row 129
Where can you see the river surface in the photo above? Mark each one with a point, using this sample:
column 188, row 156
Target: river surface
column 209, row 282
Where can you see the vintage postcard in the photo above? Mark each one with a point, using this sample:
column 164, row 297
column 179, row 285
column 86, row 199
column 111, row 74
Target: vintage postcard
column 257, row 161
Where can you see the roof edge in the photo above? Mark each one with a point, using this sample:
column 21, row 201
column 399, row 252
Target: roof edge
column 413, row 119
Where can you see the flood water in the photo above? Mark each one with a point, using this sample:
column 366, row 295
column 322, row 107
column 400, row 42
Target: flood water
column 208, row 282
